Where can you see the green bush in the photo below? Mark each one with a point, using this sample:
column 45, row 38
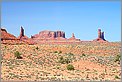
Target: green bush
column 64, row 61
column 117, row 58
column 70, row 54
column 5, row 47
column 17, row 55
column 60, row 52
column 70, row 67
column 61, row 60
column 83, row 54
column 37, row 48
column 67, row 60
column 55, row 51
column 116, row 77
column 58, row 67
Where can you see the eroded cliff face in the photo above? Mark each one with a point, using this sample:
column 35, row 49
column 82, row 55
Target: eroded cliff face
column 6, row 36
column 46, row 34
column 24, row 38
column 53, row 37
column 100, row 36
column 43, row 37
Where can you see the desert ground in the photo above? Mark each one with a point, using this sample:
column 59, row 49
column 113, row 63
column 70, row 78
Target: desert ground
column 87, row 61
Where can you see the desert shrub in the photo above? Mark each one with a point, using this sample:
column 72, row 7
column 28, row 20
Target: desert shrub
column 70, row 67
column 37, row 48
column 58, row 67
column 67, row 60
column 17, row 55
column 70, row 54
column 53, row 78
column 117, row 58
column 116, row 77
column 55, row 51
column 83, row 54
column 5, row 47
column 60, row 52
column 114, row 69
column 61, row 60
column 64, row 61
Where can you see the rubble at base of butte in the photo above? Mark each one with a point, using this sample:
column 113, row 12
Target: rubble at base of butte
column 45, row 36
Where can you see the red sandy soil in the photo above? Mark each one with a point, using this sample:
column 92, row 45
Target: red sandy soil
column 41, row 62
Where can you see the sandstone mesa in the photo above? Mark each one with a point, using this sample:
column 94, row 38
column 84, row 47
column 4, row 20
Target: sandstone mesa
column 92, row 60
column 45, row 36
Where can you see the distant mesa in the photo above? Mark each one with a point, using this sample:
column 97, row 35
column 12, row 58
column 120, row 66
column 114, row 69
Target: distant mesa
column 53, row 37
column 100, row 36
column 50, row 35
column 43, row 37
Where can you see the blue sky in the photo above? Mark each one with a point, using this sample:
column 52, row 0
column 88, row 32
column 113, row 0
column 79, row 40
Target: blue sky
column 81, row 18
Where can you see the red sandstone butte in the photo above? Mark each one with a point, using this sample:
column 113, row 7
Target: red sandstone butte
column 6, row 36
column 24, row 38
column 57, row 37
column 100, row 36
column 50, row 35
column 44, row 37
column 73, row 38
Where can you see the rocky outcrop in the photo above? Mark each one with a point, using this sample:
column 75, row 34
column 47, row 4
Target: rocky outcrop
column 100, row 36
column 46, row 34
column 73, row 38
column 53, row 37
column 43, row 37
column 24, row 38
column 6, row 36
column 21, row 32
